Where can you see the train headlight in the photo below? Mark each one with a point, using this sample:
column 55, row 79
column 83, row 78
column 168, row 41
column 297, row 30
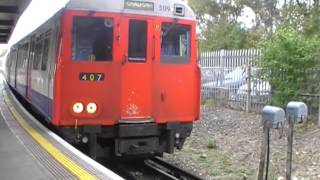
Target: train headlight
column 78, row 108
column 92, row 108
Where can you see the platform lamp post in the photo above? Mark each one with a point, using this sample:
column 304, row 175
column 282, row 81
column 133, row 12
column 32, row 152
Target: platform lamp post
column 297, row 112
column 272, row 117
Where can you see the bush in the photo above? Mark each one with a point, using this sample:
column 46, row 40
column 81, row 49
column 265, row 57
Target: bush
column 290, row 63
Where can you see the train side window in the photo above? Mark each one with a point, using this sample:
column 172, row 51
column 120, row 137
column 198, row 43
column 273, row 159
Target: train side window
column 10, row 59
column 92, row 39
column 137, row 41
column 22, row 55
column 20, row 58
column 25, row 55
column 32, row 50
column 45, row 54
column 175, row 45
column 13, row 58
column 37, row 55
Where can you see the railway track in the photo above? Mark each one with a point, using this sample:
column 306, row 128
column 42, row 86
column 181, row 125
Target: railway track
column 152, row 169
column 175, row 171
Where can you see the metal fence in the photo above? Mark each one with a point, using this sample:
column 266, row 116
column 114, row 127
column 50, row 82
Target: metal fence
column 230, row 77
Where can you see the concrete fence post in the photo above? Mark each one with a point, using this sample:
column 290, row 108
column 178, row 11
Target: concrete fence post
column 248, row 104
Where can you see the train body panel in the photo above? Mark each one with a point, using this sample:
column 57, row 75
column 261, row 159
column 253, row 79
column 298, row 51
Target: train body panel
column 30, row 70
column 42, row 59
column 130, row 77
column 133, row 88
column 164, row 8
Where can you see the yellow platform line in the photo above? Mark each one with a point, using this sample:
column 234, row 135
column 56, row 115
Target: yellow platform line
column 65, row 161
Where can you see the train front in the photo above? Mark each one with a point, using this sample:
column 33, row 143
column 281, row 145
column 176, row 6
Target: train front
column 127, row 80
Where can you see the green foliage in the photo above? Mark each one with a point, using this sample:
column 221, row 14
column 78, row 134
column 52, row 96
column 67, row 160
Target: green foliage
column 216, row 9
column 224, row 35
column 304, row 18
column 220, row 28
column 289, row 64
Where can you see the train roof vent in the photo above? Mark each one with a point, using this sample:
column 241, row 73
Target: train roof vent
column 179, row 10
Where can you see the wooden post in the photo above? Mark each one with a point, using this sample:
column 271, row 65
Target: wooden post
column 263, row 153
column 289, row 150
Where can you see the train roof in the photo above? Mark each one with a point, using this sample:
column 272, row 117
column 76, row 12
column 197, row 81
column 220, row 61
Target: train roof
column 166, row 8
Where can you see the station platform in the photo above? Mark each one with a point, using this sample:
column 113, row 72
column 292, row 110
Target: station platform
column 30, row 151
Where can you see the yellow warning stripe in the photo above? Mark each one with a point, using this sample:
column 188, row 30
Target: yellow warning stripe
column 65, row 161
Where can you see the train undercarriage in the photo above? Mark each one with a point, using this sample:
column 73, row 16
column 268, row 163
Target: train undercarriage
column 129, row 140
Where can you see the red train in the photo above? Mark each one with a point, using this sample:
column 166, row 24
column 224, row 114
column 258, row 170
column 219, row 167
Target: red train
column 120, row 77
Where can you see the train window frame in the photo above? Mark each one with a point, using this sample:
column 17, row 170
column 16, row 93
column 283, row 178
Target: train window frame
column 109, row 25
column 133, row 38
column 176, row 58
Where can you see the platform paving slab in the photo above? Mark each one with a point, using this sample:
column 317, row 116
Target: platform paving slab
column 15, row 160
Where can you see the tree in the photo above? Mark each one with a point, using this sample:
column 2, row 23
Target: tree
column 218, row 22
column 290, row 62
column 302, row 16
column 224, row 35
column 220, row 27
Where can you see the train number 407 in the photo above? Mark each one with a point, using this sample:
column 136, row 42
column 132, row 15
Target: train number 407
column 91, row 76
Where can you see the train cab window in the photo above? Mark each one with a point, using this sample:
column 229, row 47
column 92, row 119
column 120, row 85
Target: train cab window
column 175, row 45
column 137, row 41
column 45, row 54
column 92, row 39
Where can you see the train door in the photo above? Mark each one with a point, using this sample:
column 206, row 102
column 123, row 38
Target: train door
column 44, row 68
column 175, row 74
column 136, row 69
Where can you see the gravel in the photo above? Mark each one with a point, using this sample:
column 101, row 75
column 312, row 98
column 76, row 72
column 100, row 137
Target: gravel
column 236, row 136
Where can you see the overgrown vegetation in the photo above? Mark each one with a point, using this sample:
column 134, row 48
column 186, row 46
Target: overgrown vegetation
column 289, row 31
column 222, row 26
column 291, row 65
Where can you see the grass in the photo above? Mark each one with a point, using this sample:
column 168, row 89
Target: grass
column 207, row 102
column 273, row 173
column 215, row 162
column 212, row 144
column 308, row 126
